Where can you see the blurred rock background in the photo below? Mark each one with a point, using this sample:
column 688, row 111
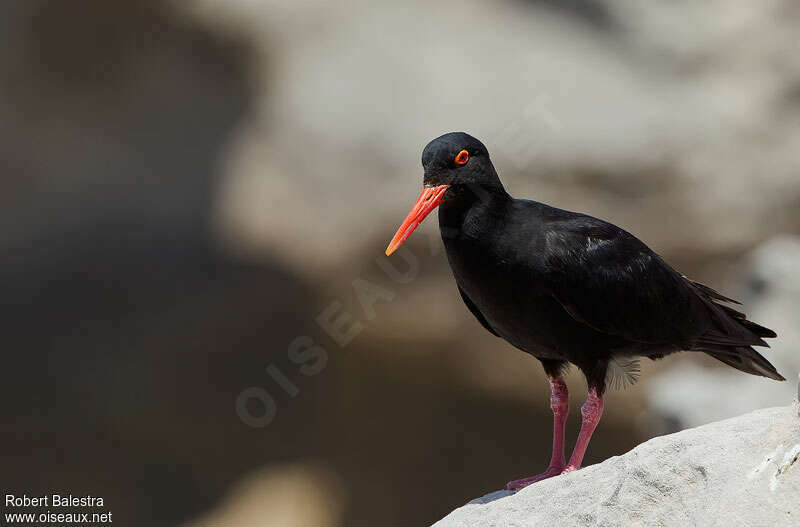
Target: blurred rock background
column 188, row 186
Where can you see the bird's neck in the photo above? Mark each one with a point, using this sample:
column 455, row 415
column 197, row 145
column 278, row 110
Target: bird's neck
column 471, row 195
column 471, row 201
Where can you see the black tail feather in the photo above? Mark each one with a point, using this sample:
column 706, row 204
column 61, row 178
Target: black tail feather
column 758, row 329
column 748, row 360
column 741, row 318
column 732, row 336
column 711, row 293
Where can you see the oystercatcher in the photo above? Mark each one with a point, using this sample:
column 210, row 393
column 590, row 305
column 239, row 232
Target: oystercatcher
column 569, row 288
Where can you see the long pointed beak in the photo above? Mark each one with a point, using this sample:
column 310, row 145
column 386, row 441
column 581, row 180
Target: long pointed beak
column 427, row 201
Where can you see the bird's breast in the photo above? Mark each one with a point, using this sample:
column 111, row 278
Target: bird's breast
column 497, row 265
column 506, row 291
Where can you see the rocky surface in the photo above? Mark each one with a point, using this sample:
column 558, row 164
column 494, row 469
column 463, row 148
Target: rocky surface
column 741, row 471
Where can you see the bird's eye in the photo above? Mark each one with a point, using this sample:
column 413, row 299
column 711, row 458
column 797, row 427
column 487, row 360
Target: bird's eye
column 461, row 157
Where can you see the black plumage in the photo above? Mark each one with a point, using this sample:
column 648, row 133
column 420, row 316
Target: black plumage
column 569, row 288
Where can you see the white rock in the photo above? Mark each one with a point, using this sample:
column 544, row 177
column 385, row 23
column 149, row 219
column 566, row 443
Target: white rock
column 741, row 471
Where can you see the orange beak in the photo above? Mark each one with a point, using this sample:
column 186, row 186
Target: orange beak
column 427, row 201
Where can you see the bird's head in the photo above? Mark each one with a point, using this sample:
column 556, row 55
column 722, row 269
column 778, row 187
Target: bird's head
column 452, row 162
column 456, row 159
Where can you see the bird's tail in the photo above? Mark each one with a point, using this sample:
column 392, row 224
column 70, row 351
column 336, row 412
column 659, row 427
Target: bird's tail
column 732, row 336
column 748, row 360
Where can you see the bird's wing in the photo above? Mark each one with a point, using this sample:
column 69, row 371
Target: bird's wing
column 607, row 279
column 475, row 311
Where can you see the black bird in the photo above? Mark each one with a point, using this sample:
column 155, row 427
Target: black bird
column 569, row 288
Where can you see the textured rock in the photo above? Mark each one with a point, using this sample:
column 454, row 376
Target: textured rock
column 741, row 471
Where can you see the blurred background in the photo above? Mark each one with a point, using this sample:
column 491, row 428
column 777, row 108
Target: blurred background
column 198, row 322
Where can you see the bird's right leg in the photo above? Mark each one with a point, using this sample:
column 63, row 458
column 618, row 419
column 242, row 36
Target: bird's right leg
column 559, row 403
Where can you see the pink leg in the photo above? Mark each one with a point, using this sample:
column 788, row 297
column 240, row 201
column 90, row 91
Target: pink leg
column 559, row 403
column 591, row 411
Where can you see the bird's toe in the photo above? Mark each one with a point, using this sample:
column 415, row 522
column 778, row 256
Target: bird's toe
column 524, row 482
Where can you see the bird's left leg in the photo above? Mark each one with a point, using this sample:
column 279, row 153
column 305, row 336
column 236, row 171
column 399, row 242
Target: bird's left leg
column 559, row 403
column 591, row 411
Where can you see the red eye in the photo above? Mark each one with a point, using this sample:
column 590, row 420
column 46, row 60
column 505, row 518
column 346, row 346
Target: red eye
column 462, row 157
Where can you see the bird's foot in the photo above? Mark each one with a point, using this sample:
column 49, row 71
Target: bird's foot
column 522, row 483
